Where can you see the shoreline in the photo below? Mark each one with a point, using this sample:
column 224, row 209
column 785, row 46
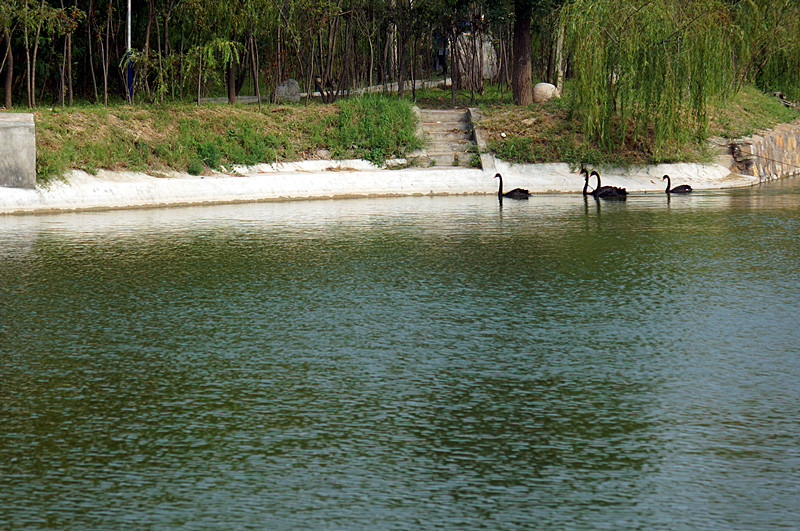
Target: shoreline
column 110, row 190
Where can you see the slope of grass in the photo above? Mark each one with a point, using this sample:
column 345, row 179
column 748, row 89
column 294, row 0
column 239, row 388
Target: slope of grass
column 548, row 133
column 748, row 112
column 197, row 139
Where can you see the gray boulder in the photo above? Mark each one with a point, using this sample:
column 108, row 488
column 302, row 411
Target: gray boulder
column 545, row 92
column 289, row 90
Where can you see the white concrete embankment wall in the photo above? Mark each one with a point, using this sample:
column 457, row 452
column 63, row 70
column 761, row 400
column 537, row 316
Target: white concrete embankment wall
column 342, row 179
column 745, row 162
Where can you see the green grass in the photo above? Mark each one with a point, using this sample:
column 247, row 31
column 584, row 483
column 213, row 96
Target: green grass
column 374, row 128
column 197, row 139
column 548, row 132
column 438, row 98
column 194, row 139
column 748, row 112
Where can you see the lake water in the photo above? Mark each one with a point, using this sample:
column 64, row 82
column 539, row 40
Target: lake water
column 405, row 363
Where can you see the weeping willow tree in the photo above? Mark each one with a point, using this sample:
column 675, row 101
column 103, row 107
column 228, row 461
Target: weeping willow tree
column 767, row 45
column 647, row 68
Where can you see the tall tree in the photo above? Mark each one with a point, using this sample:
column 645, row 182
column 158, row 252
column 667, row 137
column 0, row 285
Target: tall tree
column 521, row 81
column 647, row 67
column 9, row 17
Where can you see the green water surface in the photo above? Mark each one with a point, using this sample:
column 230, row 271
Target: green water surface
column 408, row 363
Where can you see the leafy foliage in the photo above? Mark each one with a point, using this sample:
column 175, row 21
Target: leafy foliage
column 653, row 66
column 375, row 128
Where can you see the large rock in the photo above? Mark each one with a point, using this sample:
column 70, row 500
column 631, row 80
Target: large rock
column 17, row 150
column 289, row 90
column 545, row 92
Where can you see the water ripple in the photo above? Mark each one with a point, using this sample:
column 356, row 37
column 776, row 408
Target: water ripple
column 404, row 363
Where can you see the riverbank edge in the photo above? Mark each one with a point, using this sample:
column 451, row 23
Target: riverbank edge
column 339, row 180
column 740, row 163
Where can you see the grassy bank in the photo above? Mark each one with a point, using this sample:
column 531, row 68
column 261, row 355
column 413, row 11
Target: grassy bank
column 547, row 132
column 198, row 139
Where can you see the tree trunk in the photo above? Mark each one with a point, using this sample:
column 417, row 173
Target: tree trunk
column 199, row 76
column 28, row 87
column 387, row 57
column 452, row 38
column 414, row 68
column 63, row 74
column 35, row 54
column 63, row 70
column 241, row 70
column 371, row 60
column 401, row 64
column 402, row 55
column 9, row 68
column 521, row 67
column 91, row 53
column 70, row 93
column 345, row 77
column 104, row 55
column 167, row 17
column 254, row 66
column 310, row 82
column 180, row 71
column 560, row 60
column 148, row 28
column 232, row 82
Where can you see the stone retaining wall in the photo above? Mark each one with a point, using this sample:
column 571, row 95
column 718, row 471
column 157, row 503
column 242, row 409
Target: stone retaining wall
column 774, row 155
column 17, row 150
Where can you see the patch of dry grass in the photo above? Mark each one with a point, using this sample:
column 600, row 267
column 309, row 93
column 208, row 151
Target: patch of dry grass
column 169, row 137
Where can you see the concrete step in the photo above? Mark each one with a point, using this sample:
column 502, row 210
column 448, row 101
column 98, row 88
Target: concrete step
column 444, row 117
column 442, row 160
column 441, row 144
column 450, row 159
column 443, row 113
column 449, row 136
column 450, row 133
column 456, row 120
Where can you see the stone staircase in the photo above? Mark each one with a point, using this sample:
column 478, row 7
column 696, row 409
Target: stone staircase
column 449, row 138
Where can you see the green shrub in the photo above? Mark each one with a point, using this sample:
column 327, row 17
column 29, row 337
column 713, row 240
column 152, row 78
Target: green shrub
column 209, row 153
column 195, row 167
column 373, row 127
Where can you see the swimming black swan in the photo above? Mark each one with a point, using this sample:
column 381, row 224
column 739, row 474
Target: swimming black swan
column 585, row 174
column 604, row 192
column 682, row 189
column 516, row 193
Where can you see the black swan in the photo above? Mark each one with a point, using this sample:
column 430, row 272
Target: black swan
column 516, row 193
column 604, row 192
column 585, row 174
column 682, row 189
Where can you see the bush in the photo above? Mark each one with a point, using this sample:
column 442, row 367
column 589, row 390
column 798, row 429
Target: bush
column 374, row 127
column 209, row 153
column 195, row 167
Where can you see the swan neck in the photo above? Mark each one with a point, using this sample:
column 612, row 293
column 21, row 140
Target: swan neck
column 500, row 186
column 668, row 182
